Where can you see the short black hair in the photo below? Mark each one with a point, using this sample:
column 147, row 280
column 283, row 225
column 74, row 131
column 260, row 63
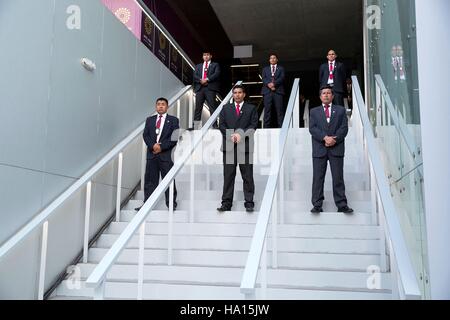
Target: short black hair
column 206, row 51
column 273, row 54
column 326, row 87
column 239, row 86
column 162, row 99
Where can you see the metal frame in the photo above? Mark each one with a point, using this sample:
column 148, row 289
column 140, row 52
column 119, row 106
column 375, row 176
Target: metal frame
column 98, row 277
column 404, row 280
column 258, row 248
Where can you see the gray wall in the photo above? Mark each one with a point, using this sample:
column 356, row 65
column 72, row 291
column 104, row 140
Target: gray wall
column 57, row 120
column 432, row 28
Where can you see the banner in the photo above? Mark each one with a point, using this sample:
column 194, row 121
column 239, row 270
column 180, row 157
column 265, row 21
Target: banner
column 176, row 64
column 148, row 33
column 162, row 47
column 128, row 12
column 188, row 74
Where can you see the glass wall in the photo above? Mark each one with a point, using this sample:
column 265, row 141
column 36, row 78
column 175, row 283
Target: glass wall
column 393, row 101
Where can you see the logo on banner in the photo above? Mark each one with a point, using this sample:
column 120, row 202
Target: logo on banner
column 162, row 42
column 174, row 55
column 123, row 14
column 148, row 25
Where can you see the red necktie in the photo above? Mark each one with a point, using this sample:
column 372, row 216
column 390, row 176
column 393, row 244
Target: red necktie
column 331, row 70
column 205, row 71
column 158, row 123
column 327, row 111
column 273, row 73
column 238, row 109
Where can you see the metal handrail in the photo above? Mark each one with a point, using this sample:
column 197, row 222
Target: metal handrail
column 259, row 237
column 97, row 277
column 45, row 214
column 160, row 26
column 398, row 123
column 407, row 278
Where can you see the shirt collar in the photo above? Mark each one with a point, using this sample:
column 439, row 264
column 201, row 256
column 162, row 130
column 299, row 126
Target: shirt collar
column 240, row 104
column 323, row 105
column 163, row 115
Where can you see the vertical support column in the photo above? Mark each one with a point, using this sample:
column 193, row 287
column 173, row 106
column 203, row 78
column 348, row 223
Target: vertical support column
column 275, row 232
column 143, row 164
column 394, row 275
column 141, row 261
column 119, row 186
column 99, row 291
column 170, row 224
column 296, row 114
column 191, row 203
column 191, row 108
column 281, row 191
column 264, row 271
column 373, row 194
column 43, row 263
column 383, row 260
column 87, row 216
column 178, row 108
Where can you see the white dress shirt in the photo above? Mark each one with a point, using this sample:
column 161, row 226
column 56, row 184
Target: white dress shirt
column 331, row 81
column 323, row 105
column 273, row 73
column 161, row 126
column 203, row 69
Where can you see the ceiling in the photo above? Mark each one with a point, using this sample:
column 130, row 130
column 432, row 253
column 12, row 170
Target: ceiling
column 297, row 30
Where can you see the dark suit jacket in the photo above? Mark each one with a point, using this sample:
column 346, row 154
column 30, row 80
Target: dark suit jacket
column 168, row 139
column 319, row 128
column 267, row 78
column 213, row 76
column 339, row 76
column 248, row 119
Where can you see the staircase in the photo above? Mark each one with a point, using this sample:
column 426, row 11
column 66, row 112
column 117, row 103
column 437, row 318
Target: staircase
column 322, row 256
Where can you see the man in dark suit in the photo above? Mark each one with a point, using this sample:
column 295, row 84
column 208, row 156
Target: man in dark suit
column 333, row 74
column 273, row 91
column 206, row 87
column 328, row 128
column 238, row 122
column 161, row 136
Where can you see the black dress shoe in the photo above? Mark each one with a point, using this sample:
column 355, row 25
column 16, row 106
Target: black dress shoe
column 345, row 209
column 250, row 209
column 316, row 210
column 138, row 208
column 174, row 206
column 223, row 208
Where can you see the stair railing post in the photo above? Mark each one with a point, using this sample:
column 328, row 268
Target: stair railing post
column 87, row 216
column 43, row 261
column 141, row 261
column 119, row 186
column 170, row 224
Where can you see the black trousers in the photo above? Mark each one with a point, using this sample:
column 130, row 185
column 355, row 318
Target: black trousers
column 153, row 169
column 276, row 100
column 337, row 173
column 229, row 175
column 204, row 94
column 338, row 98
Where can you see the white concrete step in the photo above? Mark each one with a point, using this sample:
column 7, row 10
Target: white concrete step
column 232, row 276
column 247, row 230
column 162, row 291
column 311, row 245
column 288, row 260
